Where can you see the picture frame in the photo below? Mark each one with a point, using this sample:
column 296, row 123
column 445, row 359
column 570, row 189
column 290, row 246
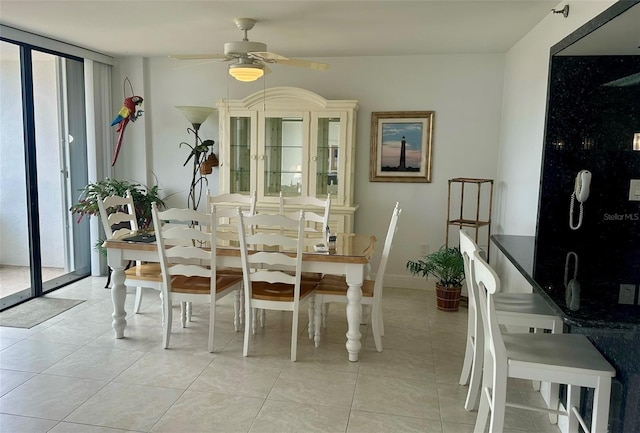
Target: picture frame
column 401, row 146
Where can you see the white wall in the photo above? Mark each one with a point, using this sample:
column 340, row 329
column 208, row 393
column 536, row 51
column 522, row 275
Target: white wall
column 522, row 126
column 465, row 91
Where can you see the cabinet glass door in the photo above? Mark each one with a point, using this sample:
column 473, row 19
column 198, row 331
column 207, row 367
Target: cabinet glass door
column 240, row 155
column 283, row 157
column 327, row 156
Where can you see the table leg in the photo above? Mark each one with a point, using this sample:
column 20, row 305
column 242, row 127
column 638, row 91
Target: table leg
column 354, row 310
column 118, row 293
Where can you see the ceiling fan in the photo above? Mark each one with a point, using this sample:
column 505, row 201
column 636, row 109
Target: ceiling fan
column 249, row 57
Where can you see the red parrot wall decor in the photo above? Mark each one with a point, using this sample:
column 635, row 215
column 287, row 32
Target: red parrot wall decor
column 126, row 114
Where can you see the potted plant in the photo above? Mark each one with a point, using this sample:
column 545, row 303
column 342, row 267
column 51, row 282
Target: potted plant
column 142, row 198
column 141, row 195
column 447, row 267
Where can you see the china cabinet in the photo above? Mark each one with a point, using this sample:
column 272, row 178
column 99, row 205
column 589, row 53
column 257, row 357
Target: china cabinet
column 293, row 141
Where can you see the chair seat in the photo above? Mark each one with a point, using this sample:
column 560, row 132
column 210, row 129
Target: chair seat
column 280, row 291
column 308, row 276
column 145, row 272
column 336, row 285
column 229, row 271
column 331, row 277
column 560, row 352
column 312, row 276
column 522, row 303
column 183, row 284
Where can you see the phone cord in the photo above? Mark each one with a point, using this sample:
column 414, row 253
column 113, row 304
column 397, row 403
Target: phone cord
column 575, row 227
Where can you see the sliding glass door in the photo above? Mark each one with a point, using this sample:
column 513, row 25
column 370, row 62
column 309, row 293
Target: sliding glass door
column 14, row 234
column 43, row 157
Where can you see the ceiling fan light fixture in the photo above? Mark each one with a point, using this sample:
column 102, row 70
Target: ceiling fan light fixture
column 246, row 73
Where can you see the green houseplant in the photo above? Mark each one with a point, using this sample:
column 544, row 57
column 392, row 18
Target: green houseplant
column 447, row 267
column 142, row 198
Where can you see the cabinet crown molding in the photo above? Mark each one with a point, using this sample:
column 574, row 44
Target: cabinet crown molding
column 278, row 98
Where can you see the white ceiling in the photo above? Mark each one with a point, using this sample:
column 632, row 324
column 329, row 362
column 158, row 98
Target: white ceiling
column 326, row 28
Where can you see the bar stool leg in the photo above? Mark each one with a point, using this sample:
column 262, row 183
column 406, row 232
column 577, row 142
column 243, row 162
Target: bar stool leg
column 554, row 390
column 573, row 401
column 601, row 396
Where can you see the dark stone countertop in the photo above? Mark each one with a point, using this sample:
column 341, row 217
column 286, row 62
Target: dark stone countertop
column 601, row 292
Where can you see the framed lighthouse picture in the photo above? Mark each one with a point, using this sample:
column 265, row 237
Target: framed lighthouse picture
column 401, row 144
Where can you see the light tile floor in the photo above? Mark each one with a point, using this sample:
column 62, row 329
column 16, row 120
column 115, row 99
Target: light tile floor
column 70, row 374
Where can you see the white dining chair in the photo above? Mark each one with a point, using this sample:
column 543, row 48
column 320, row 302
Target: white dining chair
column 188, row 261
column 316, row 215
column 568, row 359
column 316, row 212
column 247, row 203
column 119, row 220
column 528, row 310
column 228, row 226
column 273, row 276
column 334, row 289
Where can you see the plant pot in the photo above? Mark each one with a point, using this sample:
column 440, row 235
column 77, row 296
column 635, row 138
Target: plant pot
column 448, row 298
column 207, row 165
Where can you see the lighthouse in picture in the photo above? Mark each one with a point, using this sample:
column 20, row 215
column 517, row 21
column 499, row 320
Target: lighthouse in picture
column 403, row 151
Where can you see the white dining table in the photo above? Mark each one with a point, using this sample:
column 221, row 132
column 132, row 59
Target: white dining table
column 352, row 254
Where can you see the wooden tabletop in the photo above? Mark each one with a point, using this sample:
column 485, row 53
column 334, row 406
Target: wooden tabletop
column 350, row 248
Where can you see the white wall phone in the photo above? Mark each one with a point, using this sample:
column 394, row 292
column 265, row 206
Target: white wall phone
column 580, row 193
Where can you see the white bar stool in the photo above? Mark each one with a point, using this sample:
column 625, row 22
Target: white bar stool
column 568, row 359
column 519, row 309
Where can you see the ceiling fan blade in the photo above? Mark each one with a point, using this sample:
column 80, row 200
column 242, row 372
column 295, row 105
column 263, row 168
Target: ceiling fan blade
column 302, row 63
column 265, row 55
column 199, row 56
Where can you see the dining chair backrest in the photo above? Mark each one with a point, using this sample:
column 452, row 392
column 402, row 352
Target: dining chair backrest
column 234, row 200
column 180, row 244
column 280, row 257
column 316, row 211
column 225, row 233
column 386, row 249
column 227, row 221
column 118, row 215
